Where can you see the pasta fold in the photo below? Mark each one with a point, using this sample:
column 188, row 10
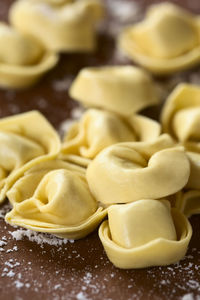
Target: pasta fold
column 23, row 60
column 167, row 40
column 99, row 129
column 26, row 139
column 138, row 170
column 188, row 202
column 121, row 89
column 62, row 26
column 145, row 233
column 181, row 119
column 54, row 197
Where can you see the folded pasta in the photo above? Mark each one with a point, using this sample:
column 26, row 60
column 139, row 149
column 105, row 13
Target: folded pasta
column 25, row 140
column 120, row 89
column 99, row 129
column 138, row 170
column 181, row 119
column 167, row 40
column 75, row 159
column 54, row 197
column 23, row 60
column 62, row 26
column 145, row 233
column 188, row 202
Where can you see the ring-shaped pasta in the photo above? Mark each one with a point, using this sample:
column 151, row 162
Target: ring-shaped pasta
column 54, row 197
column 156, row 252
column 180, row 118
column 165, row 42
column 99, row 129
column 138, row 170
column 26, row 139
column 23, row 60
column 62, row 26
column 124, row 90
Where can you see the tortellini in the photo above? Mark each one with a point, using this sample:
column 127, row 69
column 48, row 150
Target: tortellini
column 25, row 140
column 188, row 202
column 145, row 233
column 23, row 60
column 62, row 26
column 99, row 129
column 181, row 118
column 78, row 160
column 167, row 40
column 131, row 171
column 120, row 89
column 54, row 197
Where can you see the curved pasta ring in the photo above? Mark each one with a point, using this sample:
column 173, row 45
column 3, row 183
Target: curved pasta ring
column 24, row 76
column 52, row 148
column 157, row 65
column 69, row 232
column 144, row 256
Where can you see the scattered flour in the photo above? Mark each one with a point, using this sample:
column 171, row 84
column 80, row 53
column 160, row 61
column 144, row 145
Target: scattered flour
column 190, row 296
column 124, row 11
column 81, row 296
column 62, row 85
column 39, row 238
column 4, row 209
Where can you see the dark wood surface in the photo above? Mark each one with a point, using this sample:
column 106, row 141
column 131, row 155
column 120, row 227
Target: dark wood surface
column 81, row 270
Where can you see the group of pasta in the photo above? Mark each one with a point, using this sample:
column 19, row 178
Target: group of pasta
column 39, row 31
column 136, row 177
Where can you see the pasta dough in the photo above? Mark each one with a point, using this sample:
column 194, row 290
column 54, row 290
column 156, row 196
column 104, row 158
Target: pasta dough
column 120, row 89
column 17, row 49
column 22, row 59
column 75, row 159
column 137, row 170
column 145, row 233
column 99, row 129
column 62, row 26
column 25, row 140
column 167, row 40
column 188, row 202
column 54, row 197
column 181, row 118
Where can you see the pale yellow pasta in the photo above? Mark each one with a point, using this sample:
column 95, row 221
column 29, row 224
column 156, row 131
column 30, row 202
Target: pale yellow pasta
column 25, row 140
column 137, row 170
column 78, row 160
column 99, row 129
column 62, row 26
column 17, row 49
column 167, row 40
column 145, row 233
column 23, row 60
column 181, row 119
column 54, row 197
column 188, row 202
column 120, row 89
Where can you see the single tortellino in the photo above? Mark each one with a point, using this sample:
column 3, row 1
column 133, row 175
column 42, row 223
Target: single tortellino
column 25, row 140
column 23, row 60
column 120, row 89
column 99, row 129
column 167, row 40
column 145, row 233
column 188, row 202
column 181, row 119
column 130, row 171
column 54, row 197
column 62, row 26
